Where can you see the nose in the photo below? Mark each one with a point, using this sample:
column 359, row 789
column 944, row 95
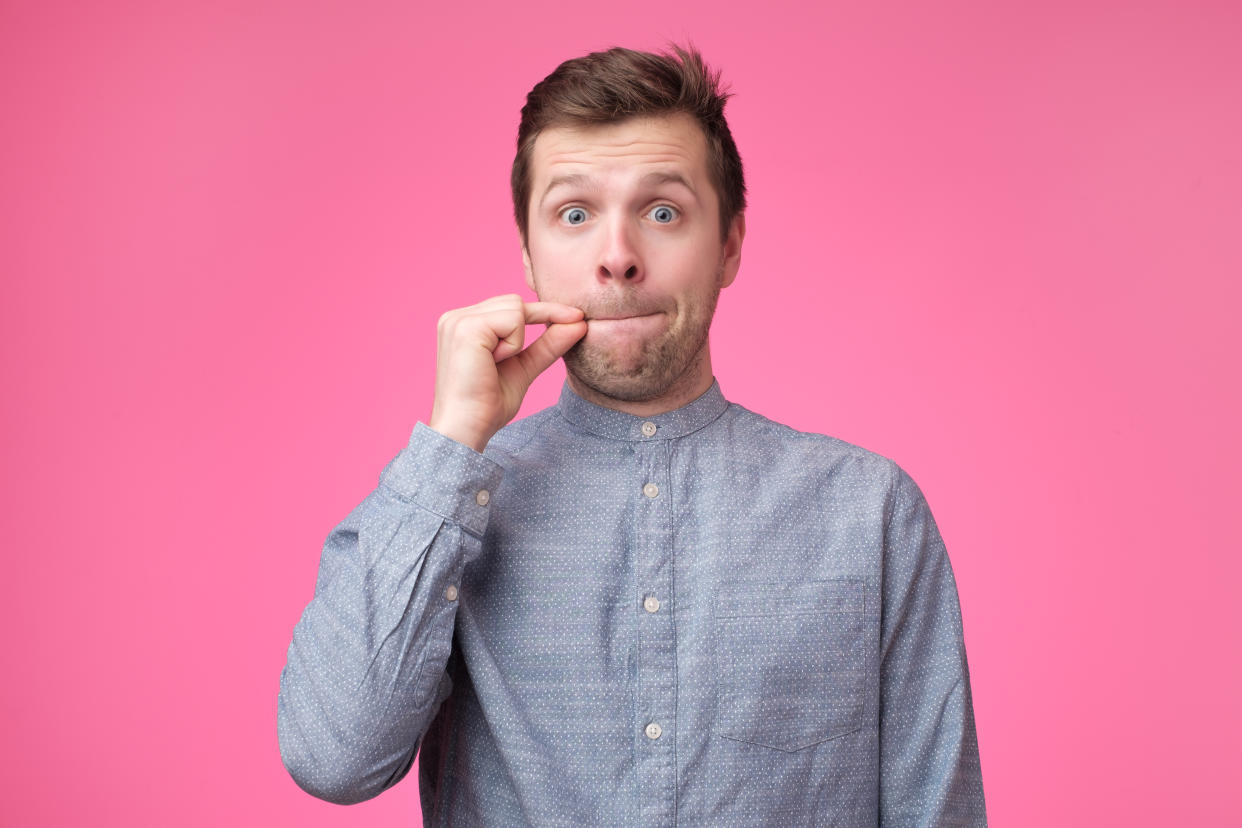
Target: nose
column 619, row 260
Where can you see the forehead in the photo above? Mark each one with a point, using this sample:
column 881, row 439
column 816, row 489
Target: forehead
column 638, row 145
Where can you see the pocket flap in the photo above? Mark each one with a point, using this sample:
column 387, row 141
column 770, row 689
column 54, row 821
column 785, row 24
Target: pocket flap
column 742, row 599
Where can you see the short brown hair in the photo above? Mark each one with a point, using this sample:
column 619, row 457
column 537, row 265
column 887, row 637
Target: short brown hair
column 605, row 87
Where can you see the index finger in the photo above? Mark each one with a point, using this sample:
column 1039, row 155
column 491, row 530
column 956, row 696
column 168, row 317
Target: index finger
column 545, row 312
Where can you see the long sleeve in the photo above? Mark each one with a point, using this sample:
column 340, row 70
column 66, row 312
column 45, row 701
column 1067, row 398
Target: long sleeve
column 929, row 755
column 366, row 668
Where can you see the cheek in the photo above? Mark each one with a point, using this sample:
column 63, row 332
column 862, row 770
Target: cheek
column 556, row 251
column 693, row 272
column 552, row 280
column 687, row 256
column 547, row 266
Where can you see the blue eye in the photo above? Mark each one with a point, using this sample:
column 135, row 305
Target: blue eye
column 574, row 215
column 663, row 214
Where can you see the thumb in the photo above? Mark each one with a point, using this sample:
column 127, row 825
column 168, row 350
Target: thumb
column 549, row 347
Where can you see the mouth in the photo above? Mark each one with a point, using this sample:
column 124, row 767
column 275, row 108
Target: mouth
column 617, row 329
column 618, row 317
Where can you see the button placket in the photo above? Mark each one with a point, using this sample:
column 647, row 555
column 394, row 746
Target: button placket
column 655, row 699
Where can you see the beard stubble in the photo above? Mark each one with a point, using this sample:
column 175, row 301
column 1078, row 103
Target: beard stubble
column 662, row 362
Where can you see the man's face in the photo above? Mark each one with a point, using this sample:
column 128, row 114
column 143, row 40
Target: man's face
column 624, row 223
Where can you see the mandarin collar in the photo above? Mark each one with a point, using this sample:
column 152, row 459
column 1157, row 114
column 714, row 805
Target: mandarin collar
column 617, row 425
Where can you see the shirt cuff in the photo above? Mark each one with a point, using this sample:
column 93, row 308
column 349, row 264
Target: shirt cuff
column 445, row 477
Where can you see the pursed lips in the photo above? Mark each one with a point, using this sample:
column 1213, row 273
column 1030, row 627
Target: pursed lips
column 614, row 326
column 619, row 317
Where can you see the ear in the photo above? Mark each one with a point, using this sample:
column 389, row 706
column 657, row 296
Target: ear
column 530, row 274
column 733, row 250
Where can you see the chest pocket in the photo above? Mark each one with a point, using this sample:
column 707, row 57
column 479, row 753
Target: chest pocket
column 790, row 661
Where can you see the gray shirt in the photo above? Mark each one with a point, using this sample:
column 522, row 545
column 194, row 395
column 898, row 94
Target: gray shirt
column 701, row 618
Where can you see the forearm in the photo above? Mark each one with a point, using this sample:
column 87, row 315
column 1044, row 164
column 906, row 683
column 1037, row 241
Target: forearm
column 366, row 668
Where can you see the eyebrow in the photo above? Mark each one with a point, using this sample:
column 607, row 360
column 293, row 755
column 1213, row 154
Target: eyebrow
column 568, row 180
column 669, row 177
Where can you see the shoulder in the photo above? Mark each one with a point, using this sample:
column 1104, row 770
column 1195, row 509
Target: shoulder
column 756, row 438
column 840, row 477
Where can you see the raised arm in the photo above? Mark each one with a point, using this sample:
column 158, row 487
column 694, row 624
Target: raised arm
column 366, row 668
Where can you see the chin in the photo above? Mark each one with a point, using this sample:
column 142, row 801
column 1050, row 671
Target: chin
column 629, row 381
column 641, row 378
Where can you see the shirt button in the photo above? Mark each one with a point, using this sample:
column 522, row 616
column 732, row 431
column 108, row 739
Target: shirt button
column 483, row 497
column 451, row 593
column 652, row 604
column 649, row 429
column 654, row 731
column 651, row 490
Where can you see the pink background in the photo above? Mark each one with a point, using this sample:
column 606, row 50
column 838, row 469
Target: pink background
column 999, row 242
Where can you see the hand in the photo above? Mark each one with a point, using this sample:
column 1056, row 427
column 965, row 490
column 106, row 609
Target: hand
column 482, row 372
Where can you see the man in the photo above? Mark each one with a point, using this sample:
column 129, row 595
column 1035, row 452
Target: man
column 645, row 605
